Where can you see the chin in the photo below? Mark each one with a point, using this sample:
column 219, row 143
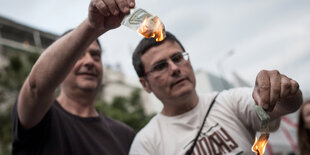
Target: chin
column 89, row 86
column 183, row 91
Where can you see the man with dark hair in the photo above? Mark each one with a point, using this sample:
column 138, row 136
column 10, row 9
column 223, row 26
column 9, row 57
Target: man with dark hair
column 143, row 46
column 70, row 124
column 164, row 68
column 66, row 32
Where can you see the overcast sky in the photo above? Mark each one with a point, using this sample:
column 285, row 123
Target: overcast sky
column 222, row 36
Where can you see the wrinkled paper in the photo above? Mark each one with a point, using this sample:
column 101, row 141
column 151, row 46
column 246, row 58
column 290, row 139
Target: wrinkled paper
column 135, row 18
column 264, row 117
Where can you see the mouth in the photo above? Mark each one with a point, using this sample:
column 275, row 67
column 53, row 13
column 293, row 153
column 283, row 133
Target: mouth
column 178, row 81
column 87, row 74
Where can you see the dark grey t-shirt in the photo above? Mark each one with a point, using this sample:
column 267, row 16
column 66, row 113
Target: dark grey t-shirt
column 61, row 133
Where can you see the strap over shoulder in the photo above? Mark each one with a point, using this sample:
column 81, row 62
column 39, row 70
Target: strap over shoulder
column 190, row 151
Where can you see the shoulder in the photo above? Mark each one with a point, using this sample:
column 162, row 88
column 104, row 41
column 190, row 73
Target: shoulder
column 122, row 132
column 235, row 100
column 151, row 126
column 149, row 131
column 239, row 91
column 116, row 125
column 241, row 94
column 144, row 142
column 27, row 139
column 45, row 118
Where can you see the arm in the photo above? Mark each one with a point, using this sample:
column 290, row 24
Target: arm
column 38, row 91
column 278, row 94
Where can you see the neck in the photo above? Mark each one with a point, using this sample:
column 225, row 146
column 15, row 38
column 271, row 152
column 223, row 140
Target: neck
column 80, row 105
column 180, row 105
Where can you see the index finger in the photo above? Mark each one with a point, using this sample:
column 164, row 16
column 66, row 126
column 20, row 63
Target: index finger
column 262, row 88
column 123, row 5
column 294, row 87
column 131, row 3
column 275, row 88
column 102, row 8
column 111, row 4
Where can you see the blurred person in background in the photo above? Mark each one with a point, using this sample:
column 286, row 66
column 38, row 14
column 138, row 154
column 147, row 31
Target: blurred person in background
column 164, row 68
column 69, row 124
column 303, row 132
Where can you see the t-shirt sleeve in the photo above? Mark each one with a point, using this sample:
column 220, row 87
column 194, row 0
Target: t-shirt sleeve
column 27, row 138
column 141, row 146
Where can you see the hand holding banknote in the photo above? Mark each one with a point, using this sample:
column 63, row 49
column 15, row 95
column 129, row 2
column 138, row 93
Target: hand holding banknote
column 108, row 14
column 276, row 93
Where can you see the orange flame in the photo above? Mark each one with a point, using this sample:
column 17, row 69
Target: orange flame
column 259, row 145
column 152, row 27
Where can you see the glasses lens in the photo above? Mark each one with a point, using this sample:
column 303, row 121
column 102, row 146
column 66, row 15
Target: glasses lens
column 163, row 66
column 177, row 58
column 185, row 56
column 159, row 67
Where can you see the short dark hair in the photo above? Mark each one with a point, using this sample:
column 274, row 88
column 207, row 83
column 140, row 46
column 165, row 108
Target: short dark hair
column 144, row 45
column 97, row 40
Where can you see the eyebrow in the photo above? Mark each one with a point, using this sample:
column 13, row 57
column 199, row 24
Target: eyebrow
column 95, row 51
column 176, row 53
column 158, row 62
column 163, row 60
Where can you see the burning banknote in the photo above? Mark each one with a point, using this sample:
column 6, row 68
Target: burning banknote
column 259, row 145
column 145, row 24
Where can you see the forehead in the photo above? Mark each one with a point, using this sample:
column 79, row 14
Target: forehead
column 160, row 52
column 306, row 107
column 94, row 46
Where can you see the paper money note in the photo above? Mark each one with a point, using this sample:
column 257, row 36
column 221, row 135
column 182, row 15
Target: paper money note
column 135, row 18
column 264, row 117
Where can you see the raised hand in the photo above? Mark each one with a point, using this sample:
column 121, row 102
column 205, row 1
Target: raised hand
column 274, row 89
column 108, row 14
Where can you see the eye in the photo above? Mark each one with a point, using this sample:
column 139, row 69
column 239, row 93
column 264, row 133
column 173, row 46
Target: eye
column 96, row 56
column 160, row 66
column 177, row 58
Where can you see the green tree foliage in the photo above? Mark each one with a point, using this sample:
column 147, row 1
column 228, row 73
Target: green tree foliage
column 11, row 79
column 5, row 132
column 126, row 109
column 16, row 72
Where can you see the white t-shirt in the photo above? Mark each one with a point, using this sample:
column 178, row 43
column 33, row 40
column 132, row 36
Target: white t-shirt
column 229, row 129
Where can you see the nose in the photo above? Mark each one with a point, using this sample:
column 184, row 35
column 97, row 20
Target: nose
column 174, row 68
column 88, row 61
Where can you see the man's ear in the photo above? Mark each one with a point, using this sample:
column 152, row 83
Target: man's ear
column 145, row 84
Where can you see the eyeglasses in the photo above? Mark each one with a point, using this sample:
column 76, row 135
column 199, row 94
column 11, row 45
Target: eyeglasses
column 161, row 67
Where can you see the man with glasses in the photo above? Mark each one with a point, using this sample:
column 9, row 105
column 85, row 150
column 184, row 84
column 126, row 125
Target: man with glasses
column 164, row 68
